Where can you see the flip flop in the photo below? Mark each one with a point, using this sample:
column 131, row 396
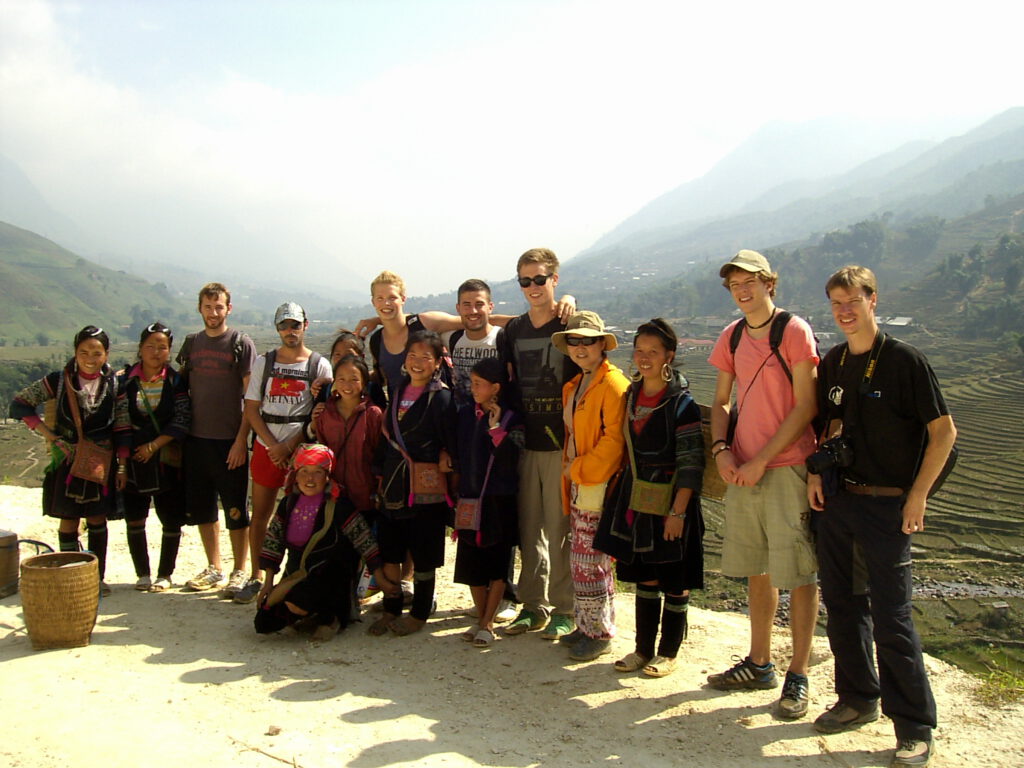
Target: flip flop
column 484, row 638
column 660, row 666
column 631, row 662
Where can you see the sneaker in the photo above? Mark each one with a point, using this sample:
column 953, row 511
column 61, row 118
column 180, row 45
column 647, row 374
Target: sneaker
column 526, row 621
column 911, row 752
column 236, row 581
column 248, row 592
column 559, row 626
column 744, row 674
column 144, row 584
column 572, row 638
column 208, row 578
column 160, row 585
column 842, row 716
column 589, row 648
column 506, row 612
column 793, row 703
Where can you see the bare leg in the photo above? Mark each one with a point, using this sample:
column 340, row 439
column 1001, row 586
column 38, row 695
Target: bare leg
column 210, row 535
column 263, row 499
column 495, row 593
column 763, row 600
column 803, row 613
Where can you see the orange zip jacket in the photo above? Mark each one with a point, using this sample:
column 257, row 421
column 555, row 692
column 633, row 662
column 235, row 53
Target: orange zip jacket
column 597, row 428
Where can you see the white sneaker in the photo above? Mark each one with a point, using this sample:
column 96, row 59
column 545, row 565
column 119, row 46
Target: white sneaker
column 208, row 578
column 236, row 581
column 506, row 612
column 144, row 584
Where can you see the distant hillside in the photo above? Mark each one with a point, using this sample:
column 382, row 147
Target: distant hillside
column 950, row 180
column 49, row 293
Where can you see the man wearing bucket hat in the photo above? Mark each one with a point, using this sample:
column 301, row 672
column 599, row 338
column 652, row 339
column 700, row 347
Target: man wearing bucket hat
column 278, row 403
column 769, row 358
column 593, row 404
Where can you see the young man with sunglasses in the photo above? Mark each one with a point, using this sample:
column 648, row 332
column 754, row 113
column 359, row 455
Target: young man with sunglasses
column 278, row 402
column 767, row 537
column 539, row 371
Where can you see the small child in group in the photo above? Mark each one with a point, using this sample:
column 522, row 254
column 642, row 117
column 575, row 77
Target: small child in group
column 324, row 536
column 490, row 437
column 414, row 459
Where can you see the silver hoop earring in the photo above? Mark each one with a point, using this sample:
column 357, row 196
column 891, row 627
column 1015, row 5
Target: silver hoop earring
column 666, row 372
column 404, row 372
column 634, row 374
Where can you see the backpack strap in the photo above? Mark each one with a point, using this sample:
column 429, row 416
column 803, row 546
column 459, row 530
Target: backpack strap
column 268, row 368
column 775, row 334
column 185, row 354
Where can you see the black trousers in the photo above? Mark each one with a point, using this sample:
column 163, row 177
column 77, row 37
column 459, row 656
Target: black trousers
column 881, row 618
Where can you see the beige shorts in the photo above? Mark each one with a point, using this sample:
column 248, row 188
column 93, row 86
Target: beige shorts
column 766, row 529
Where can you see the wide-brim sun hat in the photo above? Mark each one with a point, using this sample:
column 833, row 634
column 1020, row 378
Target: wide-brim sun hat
column 584, row 324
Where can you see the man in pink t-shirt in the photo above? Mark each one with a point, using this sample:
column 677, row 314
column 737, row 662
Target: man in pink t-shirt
column 766, row 534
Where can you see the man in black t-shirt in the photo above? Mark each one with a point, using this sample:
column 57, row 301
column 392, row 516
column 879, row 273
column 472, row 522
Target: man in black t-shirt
column 539, row 371
column 881, row 396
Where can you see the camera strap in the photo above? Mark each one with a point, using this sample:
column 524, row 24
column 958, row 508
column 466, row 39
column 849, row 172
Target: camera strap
column 852, row 409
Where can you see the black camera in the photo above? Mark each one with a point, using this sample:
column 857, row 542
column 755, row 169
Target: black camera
column 836, row 453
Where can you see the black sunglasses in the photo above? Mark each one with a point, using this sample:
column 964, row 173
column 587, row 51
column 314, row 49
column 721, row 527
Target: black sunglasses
column 289, row 325
column 582, row 341
column 525, row 282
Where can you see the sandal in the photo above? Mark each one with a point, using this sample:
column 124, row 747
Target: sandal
column 381, row 625
column 325, row 632
column 660, row 666
column 631, row 662
column 484, row 638
column 406, row 625
column 469, row 635
column 160, row 585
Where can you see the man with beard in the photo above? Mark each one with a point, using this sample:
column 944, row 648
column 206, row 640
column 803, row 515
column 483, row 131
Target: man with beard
column 278, row 402
column 216, row 364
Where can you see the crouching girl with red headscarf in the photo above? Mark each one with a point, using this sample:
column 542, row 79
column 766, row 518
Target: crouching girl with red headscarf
column 323, row 536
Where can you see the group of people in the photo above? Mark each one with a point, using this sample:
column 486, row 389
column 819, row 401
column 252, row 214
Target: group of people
column 519, row 432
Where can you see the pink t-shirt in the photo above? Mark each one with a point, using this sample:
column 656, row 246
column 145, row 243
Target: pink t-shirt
column 766, row 403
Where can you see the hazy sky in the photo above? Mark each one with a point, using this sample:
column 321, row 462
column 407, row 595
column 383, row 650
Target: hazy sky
column 423, row 136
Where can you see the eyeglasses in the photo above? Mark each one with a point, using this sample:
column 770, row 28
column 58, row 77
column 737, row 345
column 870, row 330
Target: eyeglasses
column 526, row 282
column 582, row 341
column 289, row 325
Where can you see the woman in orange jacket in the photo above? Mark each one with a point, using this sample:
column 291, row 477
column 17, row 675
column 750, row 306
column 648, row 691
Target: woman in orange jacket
column 594, row 406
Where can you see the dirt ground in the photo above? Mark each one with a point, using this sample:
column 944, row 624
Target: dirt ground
column 182, row 679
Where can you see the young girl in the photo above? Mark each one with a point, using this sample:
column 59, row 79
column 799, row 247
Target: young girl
column 593, row 408
column 490, row 437
column 324, row 536
column 419, row 449
column 84, row 392
column 659, row 550
column 153, row 409
column 350, row 426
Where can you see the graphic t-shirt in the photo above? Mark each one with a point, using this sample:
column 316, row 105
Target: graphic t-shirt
column 465, row 354
column 540, row 371
column 287, row 394
column 215, row 384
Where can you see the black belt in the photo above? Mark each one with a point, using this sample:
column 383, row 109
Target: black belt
column 873, row 490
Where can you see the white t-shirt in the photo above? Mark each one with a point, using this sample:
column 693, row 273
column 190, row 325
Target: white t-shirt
column 287, row 393
column 466, row 354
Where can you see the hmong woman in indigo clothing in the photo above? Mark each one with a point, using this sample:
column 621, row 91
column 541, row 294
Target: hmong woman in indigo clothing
column 88, row 379
column 659, row 550
column 490, row 437
column 153, row 408
column 323, row 536
column 418, row 449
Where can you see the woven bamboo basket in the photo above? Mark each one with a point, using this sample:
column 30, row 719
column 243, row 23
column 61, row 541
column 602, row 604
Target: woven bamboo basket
column 60, row 595
column 8, row 563
column 714, row 485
